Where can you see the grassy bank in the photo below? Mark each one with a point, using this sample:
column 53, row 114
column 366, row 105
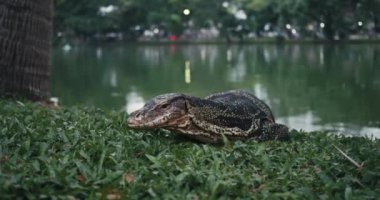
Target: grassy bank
column 87, row 153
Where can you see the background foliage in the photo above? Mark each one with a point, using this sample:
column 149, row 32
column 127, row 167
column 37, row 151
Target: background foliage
column 83, row 19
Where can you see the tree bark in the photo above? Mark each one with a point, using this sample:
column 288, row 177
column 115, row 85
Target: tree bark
column 25, row 42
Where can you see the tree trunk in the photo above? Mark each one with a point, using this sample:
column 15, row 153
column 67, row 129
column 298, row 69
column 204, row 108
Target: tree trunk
column 25, row 33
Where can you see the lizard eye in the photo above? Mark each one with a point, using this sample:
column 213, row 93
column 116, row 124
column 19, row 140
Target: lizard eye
column 164, row 106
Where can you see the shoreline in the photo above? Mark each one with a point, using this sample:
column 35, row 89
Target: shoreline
column 222, row 42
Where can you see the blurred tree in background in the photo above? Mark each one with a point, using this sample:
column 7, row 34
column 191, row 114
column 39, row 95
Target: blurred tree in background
column 289, row 19
column 84, row 18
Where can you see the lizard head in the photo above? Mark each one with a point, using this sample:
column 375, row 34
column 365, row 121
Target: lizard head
column 167, row 110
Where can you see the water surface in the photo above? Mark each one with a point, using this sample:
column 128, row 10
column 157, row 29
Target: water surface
column 309, row 87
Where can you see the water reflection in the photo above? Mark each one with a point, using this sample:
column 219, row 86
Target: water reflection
column 113, row 78
column 99, row 53
column 309, row 122
column 133, row 101
column 309, row 87
column 187, row 72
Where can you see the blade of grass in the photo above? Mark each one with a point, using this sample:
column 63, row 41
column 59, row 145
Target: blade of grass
column 359, row 166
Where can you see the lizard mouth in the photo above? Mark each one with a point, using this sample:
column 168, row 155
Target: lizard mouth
column 136, row 123
column 132, row 122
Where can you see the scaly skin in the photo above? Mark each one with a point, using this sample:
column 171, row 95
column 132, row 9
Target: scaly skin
column 236, row 114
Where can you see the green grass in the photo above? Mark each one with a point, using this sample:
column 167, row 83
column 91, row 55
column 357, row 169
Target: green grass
column 88, row 153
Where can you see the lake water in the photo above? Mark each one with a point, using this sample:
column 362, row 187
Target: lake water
column 309, row 87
